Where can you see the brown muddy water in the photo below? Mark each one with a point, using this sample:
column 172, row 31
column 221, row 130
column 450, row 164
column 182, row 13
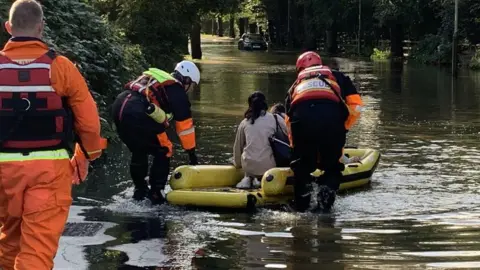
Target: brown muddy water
column 421, row 211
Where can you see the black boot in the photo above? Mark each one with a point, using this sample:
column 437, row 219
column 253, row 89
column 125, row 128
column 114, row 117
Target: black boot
column 138, row 172
column 156, row 196
column 158, row 178
column 328, row 185
column 303, row 196
column 326, row 198
column 140, row 194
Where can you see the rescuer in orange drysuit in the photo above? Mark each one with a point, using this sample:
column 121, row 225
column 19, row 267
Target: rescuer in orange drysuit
column 322, row 105
column 39, row 91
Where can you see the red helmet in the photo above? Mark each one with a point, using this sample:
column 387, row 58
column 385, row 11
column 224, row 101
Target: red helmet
column 308, row 59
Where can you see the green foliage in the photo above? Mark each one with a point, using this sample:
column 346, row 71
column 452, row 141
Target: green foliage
column 475, row 61
column 134, row 60
column 76, row 31
column 380, row 55
column 433, row 49
column 256, row 9
column 223, row 6
column 3, row 17
column 468, row 19
column 471, row 20
column 160, row 29
column 396, row 11
column 104, row 58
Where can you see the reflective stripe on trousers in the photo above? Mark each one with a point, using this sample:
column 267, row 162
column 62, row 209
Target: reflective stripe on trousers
column 36, row 155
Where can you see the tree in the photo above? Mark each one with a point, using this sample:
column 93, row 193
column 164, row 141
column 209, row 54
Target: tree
column 106, row 60
column 161, row 30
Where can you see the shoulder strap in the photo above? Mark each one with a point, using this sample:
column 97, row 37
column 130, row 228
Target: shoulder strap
column 159, row 75
column 51, row 54
column 321, row 77
column 276, row 122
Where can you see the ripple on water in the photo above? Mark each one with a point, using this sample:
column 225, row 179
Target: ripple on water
column 276, row 266
column 71, row 251
column 256, row 233
column 455, row 265
column 144, row 253
column 421, row 210
column 371, row 231
column 439, row 254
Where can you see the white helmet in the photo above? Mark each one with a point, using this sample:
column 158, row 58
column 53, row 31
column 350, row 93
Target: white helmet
column 189, row 69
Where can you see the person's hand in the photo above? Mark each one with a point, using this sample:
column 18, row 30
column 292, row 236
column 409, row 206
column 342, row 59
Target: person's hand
column 354, row 159
column 192, row 157
column 80, row 169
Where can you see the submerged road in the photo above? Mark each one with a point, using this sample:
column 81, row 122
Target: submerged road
column 420, row 212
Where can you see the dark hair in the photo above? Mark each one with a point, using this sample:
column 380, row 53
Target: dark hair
column 278, row 108
column 184, row 80
column 256, row 104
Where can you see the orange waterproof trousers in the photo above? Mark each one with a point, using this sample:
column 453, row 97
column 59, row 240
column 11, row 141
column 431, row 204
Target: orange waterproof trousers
column 35, row 198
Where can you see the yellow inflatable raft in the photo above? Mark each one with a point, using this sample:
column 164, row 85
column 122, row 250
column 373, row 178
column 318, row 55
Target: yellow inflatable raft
column 214, row 185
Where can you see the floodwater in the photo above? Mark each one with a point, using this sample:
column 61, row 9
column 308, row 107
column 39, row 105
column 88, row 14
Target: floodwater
column 421, row 211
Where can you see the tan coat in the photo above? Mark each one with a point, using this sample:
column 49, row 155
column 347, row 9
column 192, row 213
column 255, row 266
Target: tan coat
column 252, row 150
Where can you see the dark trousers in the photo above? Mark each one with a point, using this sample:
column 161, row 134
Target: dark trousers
column 158, row 171
column 139, row 133
column 319, row 136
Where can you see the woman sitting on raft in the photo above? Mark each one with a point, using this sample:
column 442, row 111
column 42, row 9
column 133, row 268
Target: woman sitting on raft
column 252, row 150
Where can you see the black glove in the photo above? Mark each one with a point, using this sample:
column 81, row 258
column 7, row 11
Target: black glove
column 192, row 157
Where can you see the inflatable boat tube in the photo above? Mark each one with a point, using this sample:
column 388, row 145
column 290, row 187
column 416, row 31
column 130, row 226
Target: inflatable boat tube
column 214, row 185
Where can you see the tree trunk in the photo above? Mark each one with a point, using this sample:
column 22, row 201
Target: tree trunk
column 220, row 26
column 214, row 27
column 396, row 40
column 241, row 26
column 253, row 28
column 195, row 41
column 290, row 24
column 185, row 45
column 310, row 37
column 271, row 32
column 279, row 26
column 368, row 44
column 207, row 26
column 298, row 26
column 332, row 44
column 232, row 25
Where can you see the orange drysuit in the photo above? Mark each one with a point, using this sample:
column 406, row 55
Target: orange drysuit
column 35, row 187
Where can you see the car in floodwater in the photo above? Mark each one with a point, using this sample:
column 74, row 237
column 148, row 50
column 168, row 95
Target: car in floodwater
column 250, row 41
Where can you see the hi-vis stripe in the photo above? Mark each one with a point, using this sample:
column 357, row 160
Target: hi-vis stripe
column 187, row 131
column 38, row 155
column 315, row 69
column 45, row 88
column 28, row 66
column 94, row 152
column 313, row 85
